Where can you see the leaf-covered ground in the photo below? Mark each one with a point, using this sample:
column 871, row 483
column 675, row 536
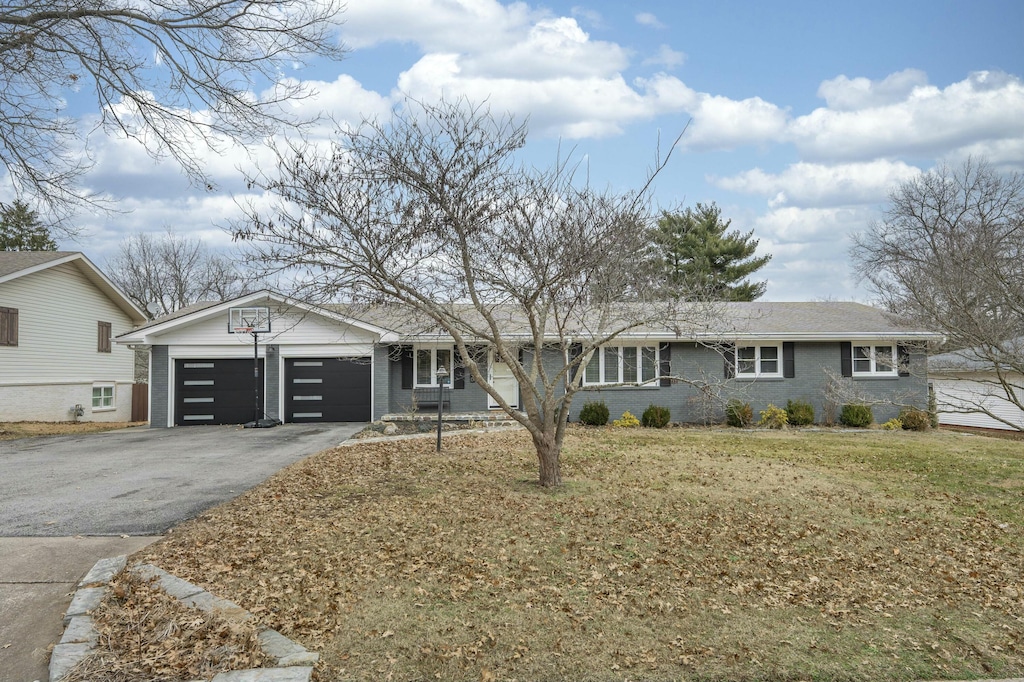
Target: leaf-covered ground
column 674, row 554
column 13, row 430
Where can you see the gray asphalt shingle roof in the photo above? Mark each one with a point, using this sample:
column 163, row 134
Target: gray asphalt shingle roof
column 16, row 261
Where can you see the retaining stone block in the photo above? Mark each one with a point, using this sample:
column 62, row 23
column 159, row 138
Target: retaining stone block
column 171, row 584
column 65, row 657
column 104, row 570
column 295, row 674
column 80, row 630
column 85, row 600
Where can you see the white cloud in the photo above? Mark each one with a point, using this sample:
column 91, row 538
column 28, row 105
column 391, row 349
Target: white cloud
column 986, row 106
column 667, row 57
column 648, row 19
column 817, row 185
column 850, row 94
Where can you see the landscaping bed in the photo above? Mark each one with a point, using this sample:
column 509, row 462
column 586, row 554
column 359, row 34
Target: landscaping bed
column 680, row 553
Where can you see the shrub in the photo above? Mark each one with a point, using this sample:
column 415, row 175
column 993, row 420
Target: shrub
column 656, row 417
column 594, row 413
column 738, row 413
column 773, row 417
column 913, row 419
column 856, row 415
column 799, row 412
column 627, row 421
column 894, row 424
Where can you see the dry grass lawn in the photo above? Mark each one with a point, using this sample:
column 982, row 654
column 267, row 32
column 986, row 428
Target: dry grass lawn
column 13, row 430
column 676, row 554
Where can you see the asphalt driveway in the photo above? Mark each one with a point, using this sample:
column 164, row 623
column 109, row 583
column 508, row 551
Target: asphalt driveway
column 142, row 481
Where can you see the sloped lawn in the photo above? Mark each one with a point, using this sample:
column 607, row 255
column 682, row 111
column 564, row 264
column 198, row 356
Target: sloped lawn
column 674, row 554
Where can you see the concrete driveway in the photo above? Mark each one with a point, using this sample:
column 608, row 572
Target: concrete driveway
column 142, row 481
column 137, row 482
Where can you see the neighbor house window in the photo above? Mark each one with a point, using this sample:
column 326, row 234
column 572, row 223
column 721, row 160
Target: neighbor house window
column 8, row 326
column 759, row 361
column 103, row 334
column 874, row 360
column 622, row 365
column 103, row 397
column 427, row 362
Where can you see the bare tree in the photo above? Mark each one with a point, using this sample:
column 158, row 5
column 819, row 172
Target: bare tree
column 173, row 271
column 949, row 255
column 168, row 73
column 431, row 211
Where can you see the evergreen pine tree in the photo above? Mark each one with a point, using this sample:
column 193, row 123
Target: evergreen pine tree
column 22, row 230
column 701, row 259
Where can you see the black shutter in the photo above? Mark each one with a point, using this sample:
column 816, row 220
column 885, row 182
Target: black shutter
column 846, row 358
column 406, row 360
column 903, row 360
column 458, row 370
column 575, row 350
column 665, row 370
column 729, row 353
column 788, row 360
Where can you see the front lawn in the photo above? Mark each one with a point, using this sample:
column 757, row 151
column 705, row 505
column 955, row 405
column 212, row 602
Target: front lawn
column 14, row 430
column 674, row 554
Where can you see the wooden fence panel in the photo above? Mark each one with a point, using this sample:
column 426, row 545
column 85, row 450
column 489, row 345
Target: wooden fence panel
column 140, row 402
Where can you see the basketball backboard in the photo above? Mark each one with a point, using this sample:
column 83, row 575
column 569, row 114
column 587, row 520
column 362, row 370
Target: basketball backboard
column 254, row 320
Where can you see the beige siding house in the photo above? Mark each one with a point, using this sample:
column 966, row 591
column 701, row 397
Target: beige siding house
column 58, row 314
column 970, row 392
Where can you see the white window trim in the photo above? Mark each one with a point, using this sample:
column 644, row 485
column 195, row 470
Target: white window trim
column 433, row 365
column 599, row 352
column 874, row 371
column 113, row 398
column 758, row 373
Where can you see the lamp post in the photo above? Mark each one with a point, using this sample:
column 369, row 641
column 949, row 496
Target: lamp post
column 442, row 374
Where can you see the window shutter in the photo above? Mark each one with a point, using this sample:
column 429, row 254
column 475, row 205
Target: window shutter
column 788, row 360
column 665, row 370
column 103, row 333
column 846, row 358
column 729, row 353
column 575, row 350
column 903, row 360
column 406, row 360
column 458, row 371
column 8, row 326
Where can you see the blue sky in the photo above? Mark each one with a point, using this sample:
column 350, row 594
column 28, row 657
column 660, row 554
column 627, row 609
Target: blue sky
column 803, row 114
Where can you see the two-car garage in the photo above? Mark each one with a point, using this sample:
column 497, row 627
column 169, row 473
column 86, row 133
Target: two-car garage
column 225, row 390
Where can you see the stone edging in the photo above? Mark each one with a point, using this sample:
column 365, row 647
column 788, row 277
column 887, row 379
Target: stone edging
column 294, row 662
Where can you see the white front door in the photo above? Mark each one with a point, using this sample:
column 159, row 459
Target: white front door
column 502, row 379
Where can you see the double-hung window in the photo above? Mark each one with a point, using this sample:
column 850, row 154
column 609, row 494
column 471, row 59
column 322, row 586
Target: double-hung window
column 874, row 360
column 428, row 359
column 8, row 326
column 103, row 397
column 622, row 365
column 759, row 361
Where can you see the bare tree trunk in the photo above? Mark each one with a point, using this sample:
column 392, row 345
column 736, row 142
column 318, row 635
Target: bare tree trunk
column 549, row 457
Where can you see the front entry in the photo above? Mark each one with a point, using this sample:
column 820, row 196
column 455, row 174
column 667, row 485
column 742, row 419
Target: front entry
column 504, row 381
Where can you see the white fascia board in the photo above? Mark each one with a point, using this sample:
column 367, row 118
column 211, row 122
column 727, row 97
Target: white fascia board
column 142, row 336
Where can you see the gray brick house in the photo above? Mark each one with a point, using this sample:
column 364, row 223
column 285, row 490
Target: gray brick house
column 336, row 363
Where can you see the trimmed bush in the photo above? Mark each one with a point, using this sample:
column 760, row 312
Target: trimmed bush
column 594, row 413
column 738, row 414
column 656, row 417
column 800, row 413
column 856, row 415
column 893, row 424
column 627, row 421
column 915, row 420
column 773, row 417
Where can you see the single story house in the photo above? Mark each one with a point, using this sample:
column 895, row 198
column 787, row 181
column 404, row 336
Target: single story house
column 58, row 361
column 338, row 363
column 969, row 391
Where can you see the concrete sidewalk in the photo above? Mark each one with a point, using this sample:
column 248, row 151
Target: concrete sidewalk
column 37, row 577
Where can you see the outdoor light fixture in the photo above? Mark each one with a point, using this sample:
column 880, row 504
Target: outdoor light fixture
column 442, row 374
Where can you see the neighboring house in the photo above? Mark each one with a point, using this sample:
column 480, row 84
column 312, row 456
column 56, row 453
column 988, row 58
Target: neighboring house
column 334, row 363
column 58, row 317
column 969, row 391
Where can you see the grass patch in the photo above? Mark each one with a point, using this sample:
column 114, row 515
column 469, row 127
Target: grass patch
column 13, row 430
column 696, row 554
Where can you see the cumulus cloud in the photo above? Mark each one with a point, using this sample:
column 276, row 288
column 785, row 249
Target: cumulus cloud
column 666, row 57
column 810, row 184
column 850, row 94
column 648, row 19
column 927, row 120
